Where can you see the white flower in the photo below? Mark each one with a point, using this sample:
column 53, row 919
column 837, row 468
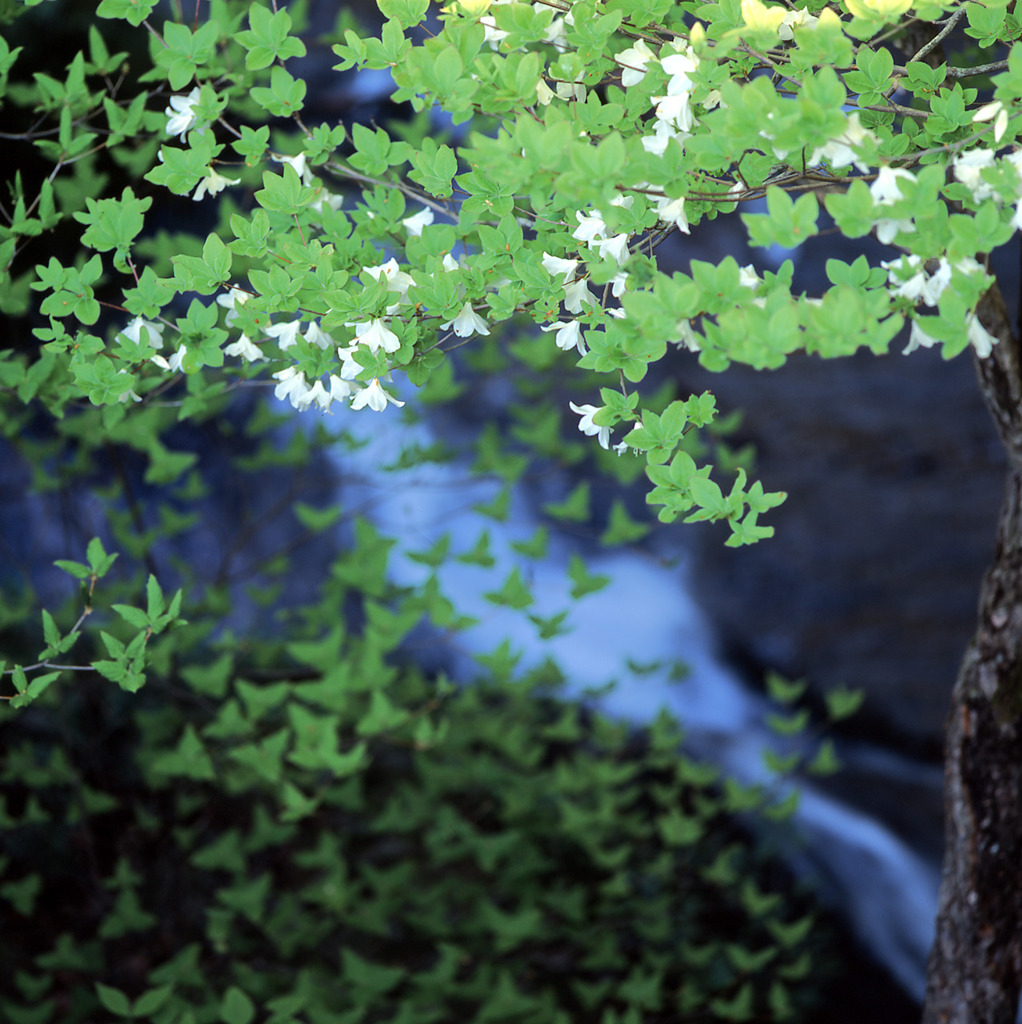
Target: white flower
column 298, row 164
column 840, row 152
column 181, row 115
column 174, row 362
column 350, row 366
column 154, row 332
column 315, row 335
column 397, row 280
column 245, row 348
column 912, row 281
column 570, row 91
column 634, row 61
column 747, row 277
column 686, row 336
column 467, row 323
column 317, row 395
column 449, row 263
column 325, row 198
column 128, row 395
column 577, row 294
column 587, row 426
column 673, row 211
column 939, row 280
column 339, row 389
column 286, row 334
column 556, row 33
column 491, row 34
column 291, row 386
column 376, row 335
column 302, row 399
column 418, row 221
column 662, row 134
column 681, row 61
column 554, row 265
column 619, row 284
column 795, row 19
column 918, row 338
column 675, row 109
column 885, row 190
column 374, row 396
column 968, row 168
column 230, row 301
column 980, row 338
column 569, row 335
column 212, row 184
column 887, row 229
column 544, row 94
column 616, row 248
column 590, row 226
column 997, row 113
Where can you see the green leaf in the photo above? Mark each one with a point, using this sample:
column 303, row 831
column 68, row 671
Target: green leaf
column 151, row 1000
column 574, row 508
column 286, row 95
column 268, row 39
column 787, row 223
column 99, row 561
column 133, row 11
column 826, row 761
column 514, row 593
column 284, row 192
column 783, row 690
column 113, row 1000
column 622, row 528
column 236, row 1007
column 843, row 703
column 183, row 52
column 584, row 582
column 433, row 167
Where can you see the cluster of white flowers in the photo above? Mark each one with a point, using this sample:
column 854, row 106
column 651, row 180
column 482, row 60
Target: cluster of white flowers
column 968, row 168
column 675, row 106
column 181, row 119
column 555, row 34
column 373, row 335
column 909, row 278
column 592, row 231
column 674, row 117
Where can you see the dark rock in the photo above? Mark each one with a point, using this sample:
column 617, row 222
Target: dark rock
column 894, row 476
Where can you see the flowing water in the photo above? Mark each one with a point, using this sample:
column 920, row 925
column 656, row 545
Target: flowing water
column 635, row 632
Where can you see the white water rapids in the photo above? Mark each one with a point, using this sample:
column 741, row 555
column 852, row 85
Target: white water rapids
column 885, row 890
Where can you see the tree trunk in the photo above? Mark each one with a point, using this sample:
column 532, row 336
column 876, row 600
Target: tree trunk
column 975, row 966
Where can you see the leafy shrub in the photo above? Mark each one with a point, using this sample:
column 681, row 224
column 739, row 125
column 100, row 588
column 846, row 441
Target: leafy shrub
column 230, row 851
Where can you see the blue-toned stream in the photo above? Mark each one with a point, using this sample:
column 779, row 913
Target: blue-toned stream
column 645, row 616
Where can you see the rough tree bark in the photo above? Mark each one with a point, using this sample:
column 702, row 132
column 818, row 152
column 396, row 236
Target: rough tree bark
column 975, row 966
